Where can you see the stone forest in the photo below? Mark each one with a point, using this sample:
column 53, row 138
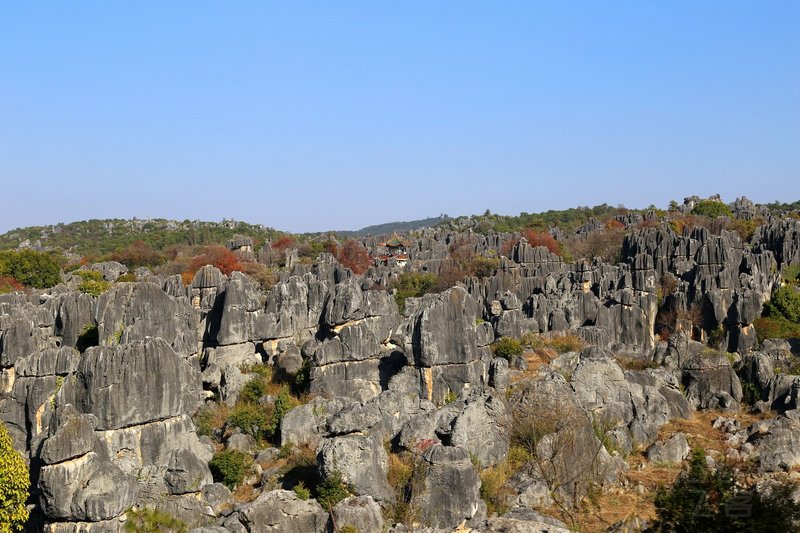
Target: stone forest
column 615, row 370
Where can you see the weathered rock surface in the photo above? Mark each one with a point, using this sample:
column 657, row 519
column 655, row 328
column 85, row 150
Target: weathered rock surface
column 446, row 467
column 280, row 511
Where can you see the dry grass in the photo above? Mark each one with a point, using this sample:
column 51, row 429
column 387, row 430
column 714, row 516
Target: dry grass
column 244, row 493
column 627, row 502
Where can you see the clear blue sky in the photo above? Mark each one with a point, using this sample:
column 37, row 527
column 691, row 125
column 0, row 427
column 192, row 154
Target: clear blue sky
column 337, row 115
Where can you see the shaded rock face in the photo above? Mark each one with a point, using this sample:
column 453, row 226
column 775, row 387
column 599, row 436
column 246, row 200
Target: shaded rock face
column 728, row 279
column 441, row 334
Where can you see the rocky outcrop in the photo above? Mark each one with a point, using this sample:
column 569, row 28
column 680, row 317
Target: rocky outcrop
column 281, row 510
column 711, row 382
column 361, row 460
column 445, row 467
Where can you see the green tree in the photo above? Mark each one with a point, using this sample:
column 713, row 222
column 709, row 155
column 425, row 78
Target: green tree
column 712, row 209
column 14, row 483
column 784, row 303
column 702, row 499
column 229, row 467
column 412, row 284
column 31, row 268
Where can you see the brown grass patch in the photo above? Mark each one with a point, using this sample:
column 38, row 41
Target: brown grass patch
column 244, row 493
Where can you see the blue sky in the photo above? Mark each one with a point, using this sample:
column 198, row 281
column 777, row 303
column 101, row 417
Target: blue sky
column 309, row 116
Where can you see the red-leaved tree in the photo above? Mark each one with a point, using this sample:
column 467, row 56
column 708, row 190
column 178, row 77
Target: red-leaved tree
column 218, row 256
column 355, row 257
column 541, row 238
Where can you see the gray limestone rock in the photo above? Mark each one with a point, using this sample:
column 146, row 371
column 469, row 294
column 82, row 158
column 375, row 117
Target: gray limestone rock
column 243, row 315
column 499, row 374
column 778, row 444
column 281, row 511
column 673, row 450
column 446, row 329
column 307, row 424
column 447, row 467
column 131, row 312
column 289, row 362
column 134, row 383
column 87, row 488
column 359, row 512
column 711, row 382
column 73, row 436
column 481, row 428
column 362, row 462
column 186, row 472
column 524, row 520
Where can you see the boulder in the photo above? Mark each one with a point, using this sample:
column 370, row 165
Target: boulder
column 673, row 450
column 711, row 382
column 280, row 511
column 359, row 512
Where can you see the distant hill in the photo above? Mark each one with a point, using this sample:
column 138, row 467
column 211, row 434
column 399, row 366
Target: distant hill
column 392, row 227
column 104, row 236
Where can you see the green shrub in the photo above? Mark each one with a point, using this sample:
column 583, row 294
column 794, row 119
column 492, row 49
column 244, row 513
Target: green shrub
column 93, row 283
column 412, row 285
column 285, row 450
column 253, row 390
column 507, row 347
column 717, row 335
column 712, row 209
column 301, row 491
column 702, row 499
column 784, row 303
column 89, row 275
column 153, row 521
column 283, row 404
column 253, row 419
column 791, row 274
column 775, row 328
column 332, row 490
column 31, row 268
column 127, row 277
column 229, row 467
column 14, row 482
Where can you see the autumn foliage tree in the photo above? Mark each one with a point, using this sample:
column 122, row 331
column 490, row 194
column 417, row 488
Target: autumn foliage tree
column 219, row 256
column 9, row 284
column 354, row 256
column 283, row 243
column 541, row 238
column 138, row 254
